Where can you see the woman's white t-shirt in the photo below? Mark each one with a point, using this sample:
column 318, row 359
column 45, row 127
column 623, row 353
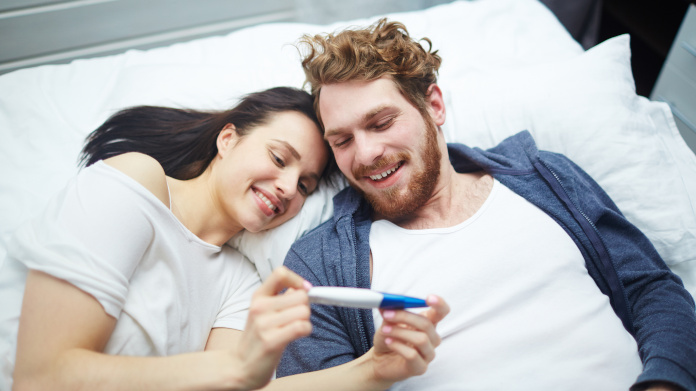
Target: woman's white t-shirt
column 112, row 238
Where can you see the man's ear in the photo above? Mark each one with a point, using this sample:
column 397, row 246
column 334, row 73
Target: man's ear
column 227, row 138
column 436, row 104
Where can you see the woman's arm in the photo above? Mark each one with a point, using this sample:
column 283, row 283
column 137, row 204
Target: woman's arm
column 63, row 330
column 403, row 347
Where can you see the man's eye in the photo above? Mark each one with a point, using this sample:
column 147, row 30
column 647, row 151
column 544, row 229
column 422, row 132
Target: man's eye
column 384, row 124
column 342, row 142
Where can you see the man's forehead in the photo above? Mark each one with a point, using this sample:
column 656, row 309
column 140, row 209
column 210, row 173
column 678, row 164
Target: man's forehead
column 383, row 85
column 356, row 100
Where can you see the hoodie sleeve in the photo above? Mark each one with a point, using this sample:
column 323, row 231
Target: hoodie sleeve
column 661, row 310
column 329, row 344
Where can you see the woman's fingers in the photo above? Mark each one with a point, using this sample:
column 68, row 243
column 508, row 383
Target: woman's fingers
column 415, row 362
column 412, row 329
column 277, row 338
column 410, row 336
column 277, row 318
column 408, row 320
column 423, row 342
column 291, row 297
column 438, row 309
column 280, row 279
column 279, row 311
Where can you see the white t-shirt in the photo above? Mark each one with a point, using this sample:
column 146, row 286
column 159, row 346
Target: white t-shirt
column 112, row 238
column 525, row 314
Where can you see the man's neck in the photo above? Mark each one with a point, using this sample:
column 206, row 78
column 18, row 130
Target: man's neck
column 456, row 198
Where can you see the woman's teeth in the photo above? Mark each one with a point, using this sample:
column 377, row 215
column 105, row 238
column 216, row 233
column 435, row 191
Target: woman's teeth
column 266, row 200
column 384, row 174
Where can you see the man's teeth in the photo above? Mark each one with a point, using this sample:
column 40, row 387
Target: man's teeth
column 384, row 174
column 264, row 199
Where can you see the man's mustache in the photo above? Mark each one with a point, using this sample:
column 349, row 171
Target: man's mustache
column 385, row 161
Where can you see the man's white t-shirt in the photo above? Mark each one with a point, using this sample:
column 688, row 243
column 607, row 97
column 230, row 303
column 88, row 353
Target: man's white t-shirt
column 525, row 313
column 109, row 236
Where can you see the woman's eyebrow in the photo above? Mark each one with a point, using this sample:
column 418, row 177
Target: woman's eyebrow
column 290, row 148
column 296, row 155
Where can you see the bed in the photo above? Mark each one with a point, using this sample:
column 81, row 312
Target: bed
column 509, row 65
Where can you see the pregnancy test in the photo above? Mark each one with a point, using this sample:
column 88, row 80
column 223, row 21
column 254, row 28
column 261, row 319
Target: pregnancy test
column 361, row 298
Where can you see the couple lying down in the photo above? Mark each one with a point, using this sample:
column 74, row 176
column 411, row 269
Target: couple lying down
column 124, row 281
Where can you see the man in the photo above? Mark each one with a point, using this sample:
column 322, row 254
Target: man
column 550, row 287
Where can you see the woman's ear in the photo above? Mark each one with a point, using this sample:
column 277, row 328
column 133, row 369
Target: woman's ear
column 436, row 104
column 227, row 138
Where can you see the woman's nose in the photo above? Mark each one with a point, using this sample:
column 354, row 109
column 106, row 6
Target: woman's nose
column 287, row 185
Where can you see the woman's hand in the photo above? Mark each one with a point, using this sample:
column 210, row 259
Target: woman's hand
column 275, row 319
column 405, row 343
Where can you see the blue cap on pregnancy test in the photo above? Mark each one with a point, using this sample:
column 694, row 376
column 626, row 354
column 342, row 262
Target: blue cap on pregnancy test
column 397, row 302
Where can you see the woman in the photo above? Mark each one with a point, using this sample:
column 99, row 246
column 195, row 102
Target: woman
column 128, row 261
column 129, row 286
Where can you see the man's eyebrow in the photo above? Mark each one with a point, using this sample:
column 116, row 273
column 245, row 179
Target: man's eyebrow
column 374, row 112
column 290, row 148
column 366, row 118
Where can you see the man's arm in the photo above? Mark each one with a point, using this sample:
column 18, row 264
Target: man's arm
column 664, row 319
column 330, row 343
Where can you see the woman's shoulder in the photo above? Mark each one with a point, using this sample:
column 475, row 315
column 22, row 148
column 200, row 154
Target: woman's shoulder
column 144, row 169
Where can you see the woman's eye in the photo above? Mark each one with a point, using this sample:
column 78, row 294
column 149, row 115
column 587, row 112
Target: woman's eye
column 278, row 161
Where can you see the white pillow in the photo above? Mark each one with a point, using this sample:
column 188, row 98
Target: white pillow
column 587, row 109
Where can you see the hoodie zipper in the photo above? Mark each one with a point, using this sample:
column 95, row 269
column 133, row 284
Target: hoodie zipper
column 362, row 325
column 593, row 235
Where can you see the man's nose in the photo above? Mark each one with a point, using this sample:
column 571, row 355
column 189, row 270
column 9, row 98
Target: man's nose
column 367, row 149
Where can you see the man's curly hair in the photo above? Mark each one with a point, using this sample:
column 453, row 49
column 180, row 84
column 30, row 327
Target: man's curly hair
column 383, row 49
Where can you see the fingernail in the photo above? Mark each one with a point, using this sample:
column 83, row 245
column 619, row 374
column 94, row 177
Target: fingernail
column 307, row 285
column 432, row 299
column 386, row 329
column 388, row 341
column 388, row 314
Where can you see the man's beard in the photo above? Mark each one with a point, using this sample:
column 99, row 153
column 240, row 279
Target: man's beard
column 394, row 203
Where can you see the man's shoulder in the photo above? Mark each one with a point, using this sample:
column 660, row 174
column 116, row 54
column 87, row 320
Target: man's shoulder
column 316, row 253
column 313, row 241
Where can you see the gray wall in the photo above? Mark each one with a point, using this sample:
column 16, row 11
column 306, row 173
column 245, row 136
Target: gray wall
column 35, row 32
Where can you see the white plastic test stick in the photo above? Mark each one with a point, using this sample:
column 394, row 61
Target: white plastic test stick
column 361, row 298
